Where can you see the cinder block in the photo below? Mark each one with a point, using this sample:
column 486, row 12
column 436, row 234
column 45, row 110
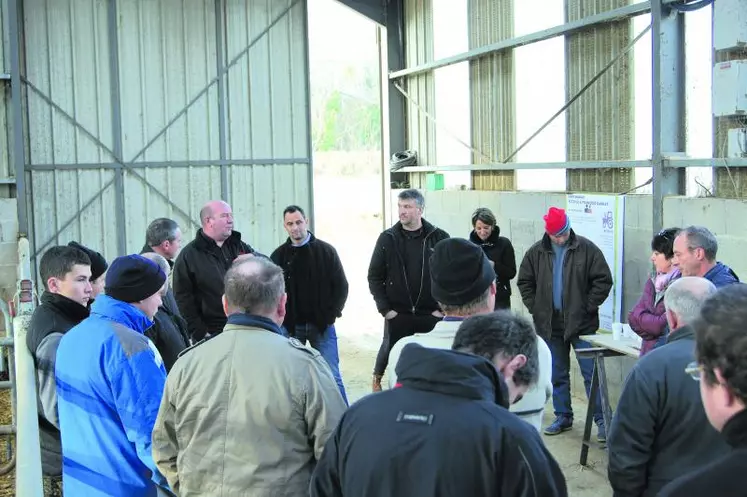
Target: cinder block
column 8, row 230
column 8, row 253
column 712, row 213
column 8, row 209
column 522, row 234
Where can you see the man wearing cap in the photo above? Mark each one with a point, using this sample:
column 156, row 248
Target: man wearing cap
column 110, row 380
column 563, row 280
column 463, row 284
column 98, row 270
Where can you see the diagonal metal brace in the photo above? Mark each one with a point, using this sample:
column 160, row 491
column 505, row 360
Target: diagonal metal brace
column 119, row 160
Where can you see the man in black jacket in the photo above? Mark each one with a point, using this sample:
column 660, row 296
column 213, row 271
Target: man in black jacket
column 66, row 273
column 563, row 280
column 660, row 430
column 316, row 286
column 446, row 430
column 201, row 266
column 721, row 369
column 399, row 277
column 169, row 331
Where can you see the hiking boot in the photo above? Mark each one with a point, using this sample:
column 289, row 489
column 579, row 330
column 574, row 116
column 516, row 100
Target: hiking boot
column 601, row 433
column 561, row 424
column 376, row 383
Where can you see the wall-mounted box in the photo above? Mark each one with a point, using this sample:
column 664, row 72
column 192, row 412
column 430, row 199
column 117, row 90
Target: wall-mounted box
column 730, row 88
column 729, row 24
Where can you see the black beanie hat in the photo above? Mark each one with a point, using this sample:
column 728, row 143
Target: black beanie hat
column 98, row 263
column 460, row 272
column 132, row 278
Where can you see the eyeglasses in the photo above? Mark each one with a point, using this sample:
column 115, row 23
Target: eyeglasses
column 694, row 370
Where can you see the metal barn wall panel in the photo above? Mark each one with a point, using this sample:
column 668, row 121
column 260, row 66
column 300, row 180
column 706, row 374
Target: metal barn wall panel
column 7, row 171
column 200, row 99
column 267, row 116
column 600, row 123
column 167, row 57
column 421, row 131
column 67, row 63
column 492, row 94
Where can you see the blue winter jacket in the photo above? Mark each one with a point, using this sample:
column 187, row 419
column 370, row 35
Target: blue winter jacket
column 721, row 275
column 110, row 381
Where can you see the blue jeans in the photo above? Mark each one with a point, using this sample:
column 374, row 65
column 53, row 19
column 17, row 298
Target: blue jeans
column 326, row 344
column 561, row 377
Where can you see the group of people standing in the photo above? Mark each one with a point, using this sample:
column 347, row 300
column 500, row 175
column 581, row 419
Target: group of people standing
column 187, row 371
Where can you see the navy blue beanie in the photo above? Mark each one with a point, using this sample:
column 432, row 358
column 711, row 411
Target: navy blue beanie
column 460, row 272
column 98, row 262
column 132, row 278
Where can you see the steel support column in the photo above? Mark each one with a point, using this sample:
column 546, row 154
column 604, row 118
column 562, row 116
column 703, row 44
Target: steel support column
column 222, row 84
column 16, row 100
column 119, row 193
column 395, row 56
column 307, row 91
column 668, row 45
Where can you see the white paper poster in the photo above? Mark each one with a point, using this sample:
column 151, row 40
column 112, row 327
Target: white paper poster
column 600, row 218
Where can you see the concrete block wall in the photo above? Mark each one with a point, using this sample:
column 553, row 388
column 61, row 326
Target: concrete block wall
column 520, row 214
column 8, row 249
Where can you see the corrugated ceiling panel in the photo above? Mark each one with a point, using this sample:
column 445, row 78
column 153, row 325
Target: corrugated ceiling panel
column 600, row 123
column 66, row 56
column 421, row 131
column 492, row 92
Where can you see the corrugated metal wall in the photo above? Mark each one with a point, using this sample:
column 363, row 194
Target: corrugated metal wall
column 6, row 168
column 492, row 92
column 600, row 122
column 421, row 131
column 168, row 53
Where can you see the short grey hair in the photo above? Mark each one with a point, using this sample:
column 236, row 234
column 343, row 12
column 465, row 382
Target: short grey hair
column 413, row 194
column 701, row 237
column 161, row 230
column 160, row 260
column 468, row 309
column 254, row 285
column 505, row 334
column 685, row 297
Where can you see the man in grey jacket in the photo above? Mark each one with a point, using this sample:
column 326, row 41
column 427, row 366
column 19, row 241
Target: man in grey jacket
column 66, row 273
column 248, row 411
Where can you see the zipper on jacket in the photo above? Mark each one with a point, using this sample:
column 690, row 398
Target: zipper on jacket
column 422, row 272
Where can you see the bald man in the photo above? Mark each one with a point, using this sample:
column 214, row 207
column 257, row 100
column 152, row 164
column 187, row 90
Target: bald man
column 660, row 430
column 201, row 266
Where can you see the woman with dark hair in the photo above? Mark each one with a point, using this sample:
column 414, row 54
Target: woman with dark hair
column 648, row 318
column 499, row 250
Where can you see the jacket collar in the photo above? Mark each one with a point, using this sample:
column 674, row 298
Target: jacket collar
column 684, row 333
column 492, row 239
column 312, row 239
column 452, row 373
column 571, row 244
column 121, row 312
column 65, row 306
column 428, row 228
column 204, row 242
column 735, row 430
column 254, row 321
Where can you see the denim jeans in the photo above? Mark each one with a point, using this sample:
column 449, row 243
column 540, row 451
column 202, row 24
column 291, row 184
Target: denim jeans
column 326, row 344
column 561, row 378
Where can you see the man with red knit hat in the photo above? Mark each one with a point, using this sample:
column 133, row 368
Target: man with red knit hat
column 563, row 280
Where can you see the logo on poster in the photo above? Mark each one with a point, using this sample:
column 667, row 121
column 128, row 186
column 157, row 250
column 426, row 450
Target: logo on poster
column 608, row 221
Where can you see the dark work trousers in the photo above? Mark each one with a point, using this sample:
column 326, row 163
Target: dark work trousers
column 397, row 328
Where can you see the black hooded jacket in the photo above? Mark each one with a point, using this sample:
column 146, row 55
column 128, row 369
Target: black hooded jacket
column 446, row 431
column 401, row 282
column 499, row 250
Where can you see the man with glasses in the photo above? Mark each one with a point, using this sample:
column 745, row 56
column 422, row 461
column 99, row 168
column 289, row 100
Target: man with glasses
column 660, row 430
column 721, row 369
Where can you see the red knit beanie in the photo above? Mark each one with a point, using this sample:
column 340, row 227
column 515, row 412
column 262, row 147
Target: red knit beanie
column 556, row 221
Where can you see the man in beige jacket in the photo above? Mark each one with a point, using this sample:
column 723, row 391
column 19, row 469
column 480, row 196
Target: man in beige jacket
column 463, row 284
column 248, row 411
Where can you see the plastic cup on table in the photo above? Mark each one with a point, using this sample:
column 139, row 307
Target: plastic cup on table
column 617, row 331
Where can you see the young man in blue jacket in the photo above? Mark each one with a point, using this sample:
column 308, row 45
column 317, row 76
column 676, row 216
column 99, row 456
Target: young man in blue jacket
column 110, row 380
